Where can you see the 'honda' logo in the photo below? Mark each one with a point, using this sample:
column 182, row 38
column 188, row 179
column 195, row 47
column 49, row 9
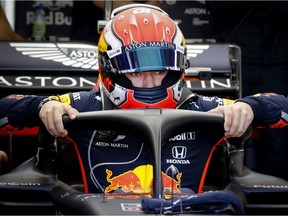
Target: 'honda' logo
column 179, row 152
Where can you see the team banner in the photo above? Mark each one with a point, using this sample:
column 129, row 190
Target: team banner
column 58, row 18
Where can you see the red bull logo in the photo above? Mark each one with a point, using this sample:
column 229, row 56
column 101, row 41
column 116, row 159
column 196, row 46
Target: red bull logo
column 170, row 184
column 140, row 181
column 128, row 181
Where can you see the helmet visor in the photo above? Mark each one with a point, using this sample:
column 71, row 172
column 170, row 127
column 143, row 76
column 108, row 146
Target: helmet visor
column 147, row 59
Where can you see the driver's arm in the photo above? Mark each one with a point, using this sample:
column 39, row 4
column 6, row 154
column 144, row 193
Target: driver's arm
column 261, row 110
column 21, row 110
column 28, row 111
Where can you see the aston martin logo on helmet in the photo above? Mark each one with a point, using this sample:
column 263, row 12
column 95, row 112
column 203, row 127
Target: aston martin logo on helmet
column 69, row 54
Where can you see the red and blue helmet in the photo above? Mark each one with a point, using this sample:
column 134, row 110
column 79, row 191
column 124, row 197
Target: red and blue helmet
column 141, row 38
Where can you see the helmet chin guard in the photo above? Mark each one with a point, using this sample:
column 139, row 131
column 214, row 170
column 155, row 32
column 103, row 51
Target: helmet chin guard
column 148, row 98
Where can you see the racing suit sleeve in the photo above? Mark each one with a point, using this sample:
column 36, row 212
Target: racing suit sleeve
column 270, row 110
column 21, row 110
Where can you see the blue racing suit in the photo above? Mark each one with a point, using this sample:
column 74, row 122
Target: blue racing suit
column 116, row 161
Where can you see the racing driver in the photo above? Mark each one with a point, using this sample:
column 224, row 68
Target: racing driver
column 142, row 59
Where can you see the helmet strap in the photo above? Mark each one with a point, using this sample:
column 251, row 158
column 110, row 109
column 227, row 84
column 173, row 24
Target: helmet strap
column 106, row 103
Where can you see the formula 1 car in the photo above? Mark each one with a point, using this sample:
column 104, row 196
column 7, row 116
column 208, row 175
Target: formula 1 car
column 37, row 185
column 33, row 187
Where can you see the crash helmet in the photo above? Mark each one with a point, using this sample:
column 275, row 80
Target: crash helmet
column 141, row 38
